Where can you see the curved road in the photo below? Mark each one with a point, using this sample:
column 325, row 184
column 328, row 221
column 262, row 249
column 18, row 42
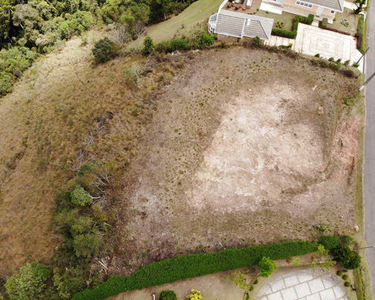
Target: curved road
column 369, row 164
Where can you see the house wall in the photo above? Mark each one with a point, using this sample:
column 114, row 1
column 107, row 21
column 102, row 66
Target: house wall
column 290, row 6
column 227, row 39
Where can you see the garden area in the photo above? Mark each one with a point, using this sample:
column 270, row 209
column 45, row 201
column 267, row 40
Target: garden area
column 346, row 22
column 283, row 21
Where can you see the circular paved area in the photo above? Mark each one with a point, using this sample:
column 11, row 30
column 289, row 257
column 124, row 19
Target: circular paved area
column 304, row 284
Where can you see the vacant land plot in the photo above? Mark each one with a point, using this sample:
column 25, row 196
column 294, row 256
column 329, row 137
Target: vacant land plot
column 246, row 148
column 242, row 147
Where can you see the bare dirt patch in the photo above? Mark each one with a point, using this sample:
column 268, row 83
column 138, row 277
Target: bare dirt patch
column 246, row 147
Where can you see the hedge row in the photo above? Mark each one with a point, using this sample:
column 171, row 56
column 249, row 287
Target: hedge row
column 293, row 33
column 361, row 34
column 189, row 266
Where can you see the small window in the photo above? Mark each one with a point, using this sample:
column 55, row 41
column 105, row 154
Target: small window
column 332, row 11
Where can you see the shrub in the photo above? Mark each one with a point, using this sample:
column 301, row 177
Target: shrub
column 178, row 44
column 331, row 59
column 284, row 33
column 293, row 33
column 350, row 259
column 349, row 73
column 347, row 62
column 168, row 295
column 189, row 266
column 80, row 197
column 251, row 288
column 339, row 273
column 317, row 55
column 255, row 281
column 148, row 46
column 203, row 39
column 361, row 34
column 323, row 63
column 332, row 241
column 333, row 66
column 347, row 283
column 86, row 245
column 257, row 42
column 267, row 267
column 69, row 282
column 345, row 277
column 195, row 295
column 6, row 83
column 29, row 282
column 104, row 50
column 324, row 23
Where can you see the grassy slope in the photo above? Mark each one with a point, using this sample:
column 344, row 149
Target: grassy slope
column 47, row 123
column 197, row 12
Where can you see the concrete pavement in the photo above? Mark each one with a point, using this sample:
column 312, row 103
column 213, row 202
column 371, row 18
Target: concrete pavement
column 369, row 164
column 304, row 284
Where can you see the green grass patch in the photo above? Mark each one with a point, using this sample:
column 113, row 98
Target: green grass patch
column 189, row 266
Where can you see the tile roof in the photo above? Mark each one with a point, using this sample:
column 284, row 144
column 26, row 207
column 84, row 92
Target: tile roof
column 239, row 25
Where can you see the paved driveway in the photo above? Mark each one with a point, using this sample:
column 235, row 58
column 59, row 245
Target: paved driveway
column 303, row 284
column 312, row 40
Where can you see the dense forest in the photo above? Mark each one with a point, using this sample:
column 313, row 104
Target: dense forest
column 32, row 27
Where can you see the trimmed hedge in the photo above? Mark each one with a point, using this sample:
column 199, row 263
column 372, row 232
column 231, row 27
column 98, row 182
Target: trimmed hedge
column 189, row 266
column 291, row 34
column 361, row 34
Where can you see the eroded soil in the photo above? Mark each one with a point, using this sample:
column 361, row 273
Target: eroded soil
column 246, row 148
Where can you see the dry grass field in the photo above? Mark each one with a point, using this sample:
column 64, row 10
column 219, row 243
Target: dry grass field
column 209, row 150
column 63, row 112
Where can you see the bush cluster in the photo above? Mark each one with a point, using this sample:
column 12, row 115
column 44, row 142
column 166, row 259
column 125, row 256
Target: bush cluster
column 324, row 23
column 38, row 25
column 104, row 50
column 12, row 64
column 349, row 259
column 336, row 66
column 199, row 41
column 189, row 266
column 29, row 282
column 291, row 34
column 168, row 295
